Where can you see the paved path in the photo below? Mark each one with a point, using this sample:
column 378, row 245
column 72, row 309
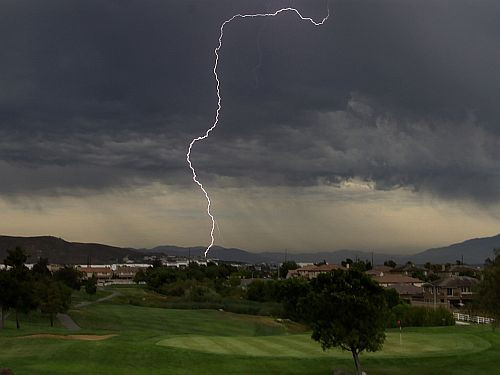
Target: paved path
column 86, row 303
column 67, row 322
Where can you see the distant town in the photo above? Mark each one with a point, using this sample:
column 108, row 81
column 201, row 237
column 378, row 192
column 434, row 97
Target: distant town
column 447, row 285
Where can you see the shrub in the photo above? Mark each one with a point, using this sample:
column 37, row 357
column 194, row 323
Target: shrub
column 176, row 289
column 200, row 292
column 91, row 285
column 262, row 291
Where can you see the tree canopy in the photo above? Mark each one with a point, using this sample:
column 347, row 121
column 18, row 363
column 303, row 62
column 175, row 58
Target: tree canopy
column 24, row 290
column 488, row 296
column 287, row 266
column 347, row 309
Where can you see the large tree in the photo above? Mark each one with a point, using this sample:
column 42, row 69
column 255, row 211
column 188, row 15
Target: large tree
column 347, row 309
column 6, row 294
column 41, row 269
column 488, row 296
column 53, row 297
column 287, row 266
column 69, row 276
column 291, row 293
column 91, row 285
column 22, row 296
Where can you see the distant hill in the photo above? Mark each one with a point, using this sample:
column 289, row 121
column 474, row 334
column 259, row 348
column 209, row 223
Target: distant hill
column 474, row 251
column 60, row 251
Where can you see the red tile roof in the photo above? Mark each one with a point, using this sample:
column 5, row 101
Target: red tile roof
column 396, row 279
column 96, row 269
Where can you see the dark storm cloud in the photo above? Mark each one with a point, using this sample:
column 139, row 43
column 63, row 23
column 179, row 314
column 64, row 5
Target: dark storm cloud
column 100, row 94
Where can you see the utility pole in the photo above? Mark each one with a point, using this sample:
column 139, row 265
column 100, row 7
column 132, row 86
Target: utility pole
column 435, row 295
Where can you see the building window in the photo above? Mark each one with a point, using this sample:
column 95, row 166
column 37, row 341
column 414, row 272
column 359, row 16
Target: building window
column 465, row 289
column 449, row 291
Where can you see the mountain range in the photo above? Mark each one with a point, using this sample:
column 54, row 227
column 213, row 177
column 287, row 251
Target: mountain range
column 57, row 250
column 60, row 251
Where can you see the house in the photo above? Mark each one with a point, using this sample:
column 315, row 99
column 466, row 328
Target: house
column 387, row 280
column 126, row 272
column 408, row 293
column 379, row 270
column 454, row 291
column 102, row 273
column 312, row 271
column 409, row 269
column 460, row 270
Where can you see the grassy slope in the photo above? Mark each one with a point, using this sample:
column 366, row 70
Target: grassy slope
column 81, row 296
column 136, row 349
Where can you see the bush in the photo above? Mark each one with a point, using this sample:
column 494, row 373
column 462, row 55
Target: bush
column 91, row 285
column 263, row 291
column 200, row 293
column 418, row 316
column 175, row 289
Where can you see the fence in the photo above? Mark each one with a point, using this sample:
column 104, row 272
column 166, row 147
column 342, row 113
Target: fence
column 472, row 318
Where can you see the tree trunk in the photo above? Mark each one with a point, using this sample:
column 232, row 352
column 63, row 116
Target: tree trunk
column 52, row 320
column 355, row 356
column 2, row 317
column 17, row 320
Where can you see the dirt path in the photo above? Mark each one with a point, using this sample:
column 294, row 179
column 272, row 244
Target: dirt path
column 86, row 303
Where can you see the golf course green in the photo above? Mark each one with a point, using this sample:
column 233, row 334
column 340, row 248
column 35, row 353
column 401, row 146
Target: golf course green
column 118, row 338
column 412, row 344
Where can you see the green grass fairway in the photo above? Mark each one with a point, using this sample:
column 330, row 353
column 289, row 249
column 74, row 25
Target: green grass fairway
column 301, row 346
column 157, row 341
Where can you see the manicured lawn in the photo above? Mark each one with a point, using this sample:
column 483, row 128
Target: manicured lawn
column 301, row 346
column 159, row 341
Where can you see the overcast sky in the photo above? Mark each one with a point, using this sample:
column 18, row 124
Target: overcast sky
column 379, row 130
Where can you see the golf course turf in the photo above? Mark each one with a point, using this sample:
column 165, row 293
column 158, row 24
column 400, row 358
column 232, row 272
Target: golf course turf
column 301, row 346
column 166, row 341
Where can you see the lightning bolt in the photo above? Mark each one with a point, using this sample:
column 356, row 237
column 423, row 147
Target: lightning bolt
column 219, row 97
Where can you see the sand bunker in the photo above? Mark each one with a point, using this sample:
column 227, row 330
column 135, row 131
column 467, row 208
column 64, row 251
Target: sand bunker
column 70, row 337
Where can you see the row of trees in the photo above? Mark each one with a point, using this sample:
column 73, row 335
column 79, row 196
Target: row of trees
column 195, row 283
column 24, row 290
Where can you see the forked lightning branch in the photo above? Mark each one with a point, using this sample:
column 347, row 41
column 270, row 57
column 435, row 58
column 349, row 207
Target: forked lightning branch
column 219, row 97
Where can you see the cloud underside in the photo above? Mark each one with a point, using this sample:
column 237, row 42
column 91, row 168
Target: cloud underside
column 98, row 97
